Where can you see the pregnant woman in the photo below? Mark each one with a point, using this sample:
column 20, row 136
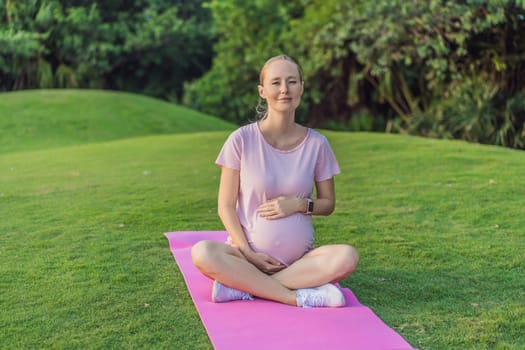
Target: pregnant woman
column 269, row 170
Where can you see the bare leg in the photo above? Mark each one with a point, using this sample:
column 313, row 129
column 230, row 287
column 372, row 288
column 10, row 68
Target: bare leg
column 325, row 264
column 227, row 265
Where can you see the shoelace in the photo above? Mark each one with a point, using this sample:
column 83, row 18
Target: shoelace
column 235, row 294
column 312, row 298
column 224, row 293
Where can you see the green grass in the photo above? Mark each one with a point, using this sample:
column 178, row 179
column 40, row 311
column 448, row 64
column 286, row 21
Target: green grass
column 85, row 265
column 38, row 119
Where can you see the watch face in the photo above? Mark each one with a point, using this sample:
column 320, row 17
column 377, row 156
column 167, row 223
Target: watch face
column 310, row 206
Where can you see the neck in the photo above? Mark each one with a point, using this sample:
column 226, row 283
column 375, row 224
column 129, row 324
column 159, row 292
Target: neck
column 278, row 123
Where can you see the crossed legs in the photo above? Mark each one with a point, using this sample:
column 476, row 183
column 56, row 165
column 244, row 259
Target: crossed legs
column 226, row 264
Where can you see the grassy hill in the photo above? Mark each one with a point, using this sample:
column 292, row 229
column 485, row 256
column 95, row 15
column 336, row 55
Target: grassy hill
column 38, row 119
column 85, row 265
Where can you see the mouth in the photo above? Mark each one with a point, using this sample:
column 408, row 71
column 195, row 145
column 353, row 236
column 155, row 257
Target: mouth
column 286, row 99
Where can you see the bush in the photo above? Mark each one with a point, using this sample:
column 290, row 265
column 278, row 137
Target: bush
column 475, row 111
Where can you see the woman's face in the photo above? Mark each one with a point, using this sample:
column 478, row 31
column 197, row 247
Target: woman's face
column 281, row 86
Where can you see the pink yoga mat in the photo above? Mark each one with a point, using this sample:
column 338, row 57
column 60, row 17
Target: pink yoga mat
column 262, row 324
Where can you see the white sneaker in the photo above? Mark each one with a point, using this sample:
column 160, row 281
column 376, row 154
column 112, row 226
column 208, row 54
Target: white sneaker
column 220, row 293
column 326, row 295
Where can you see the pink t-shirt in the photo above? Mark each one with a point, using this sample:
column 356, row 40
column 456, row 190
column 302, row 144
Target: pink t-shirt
column 267, row 173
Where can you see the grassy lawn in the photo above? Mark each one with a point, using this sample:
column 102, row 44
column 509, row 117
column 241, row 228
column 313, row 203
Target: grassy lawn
column 39, row 119
column 86, row 194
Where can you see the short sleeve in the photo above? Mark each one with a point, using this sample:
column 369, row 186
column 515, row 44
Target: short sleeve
column 326, row 166
column 230, row 154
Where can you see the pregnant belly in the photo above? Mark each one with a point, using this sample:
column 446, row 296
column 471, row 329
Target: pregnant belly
column 285, row 239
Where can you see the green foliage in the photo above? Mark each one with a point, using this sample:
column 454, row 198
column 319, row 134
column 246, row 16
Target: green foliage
column 390, row 59
column 477, row 112
column 359, row 122
column 151, row 46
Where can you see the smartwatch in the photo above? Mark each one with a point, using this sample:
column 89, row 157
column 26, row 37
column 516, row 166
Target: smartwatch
column 310, row 206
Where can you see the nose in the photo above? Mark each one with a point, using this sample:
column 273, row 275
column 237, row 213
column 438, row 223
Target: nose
column 284, row 88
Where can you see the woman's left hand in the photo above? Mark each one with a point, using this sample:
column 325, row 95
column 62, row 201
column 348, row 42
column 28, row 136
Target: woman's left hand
column 279, row 207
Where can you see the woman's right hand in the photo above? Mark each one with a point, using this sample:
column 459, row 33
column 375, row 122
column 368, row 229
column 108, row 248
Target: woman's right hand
column 263, row 261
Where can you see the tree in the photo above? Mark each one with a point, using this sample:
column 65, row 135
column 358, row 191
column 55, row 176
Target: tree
column 382, row 65
column 147, row 46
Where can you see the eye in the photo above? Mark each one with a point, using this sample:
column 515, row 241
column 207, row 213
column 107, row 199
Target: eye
column 292, row 82
column 275, row 83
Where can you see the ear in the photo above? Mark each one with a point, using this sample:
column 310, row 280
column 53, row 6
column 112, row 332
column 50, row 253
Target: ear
column 302, row 87
column 261, row 91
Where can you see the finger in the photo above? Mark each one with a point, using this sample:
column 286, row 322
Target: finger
column 273, row 261
column 273, row 216
column 264, row 209
column 266, row 205
column 266, row 212
column 269, row 259
column 275, row 269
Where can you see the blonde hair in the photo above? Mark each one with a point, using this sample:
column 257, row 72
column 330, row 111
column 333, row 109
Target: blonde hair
column 261, row 110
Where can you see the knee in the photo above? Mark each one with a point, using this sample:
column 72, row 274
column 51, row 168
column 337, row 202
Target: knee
column 345, row 261
column 202, row 255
